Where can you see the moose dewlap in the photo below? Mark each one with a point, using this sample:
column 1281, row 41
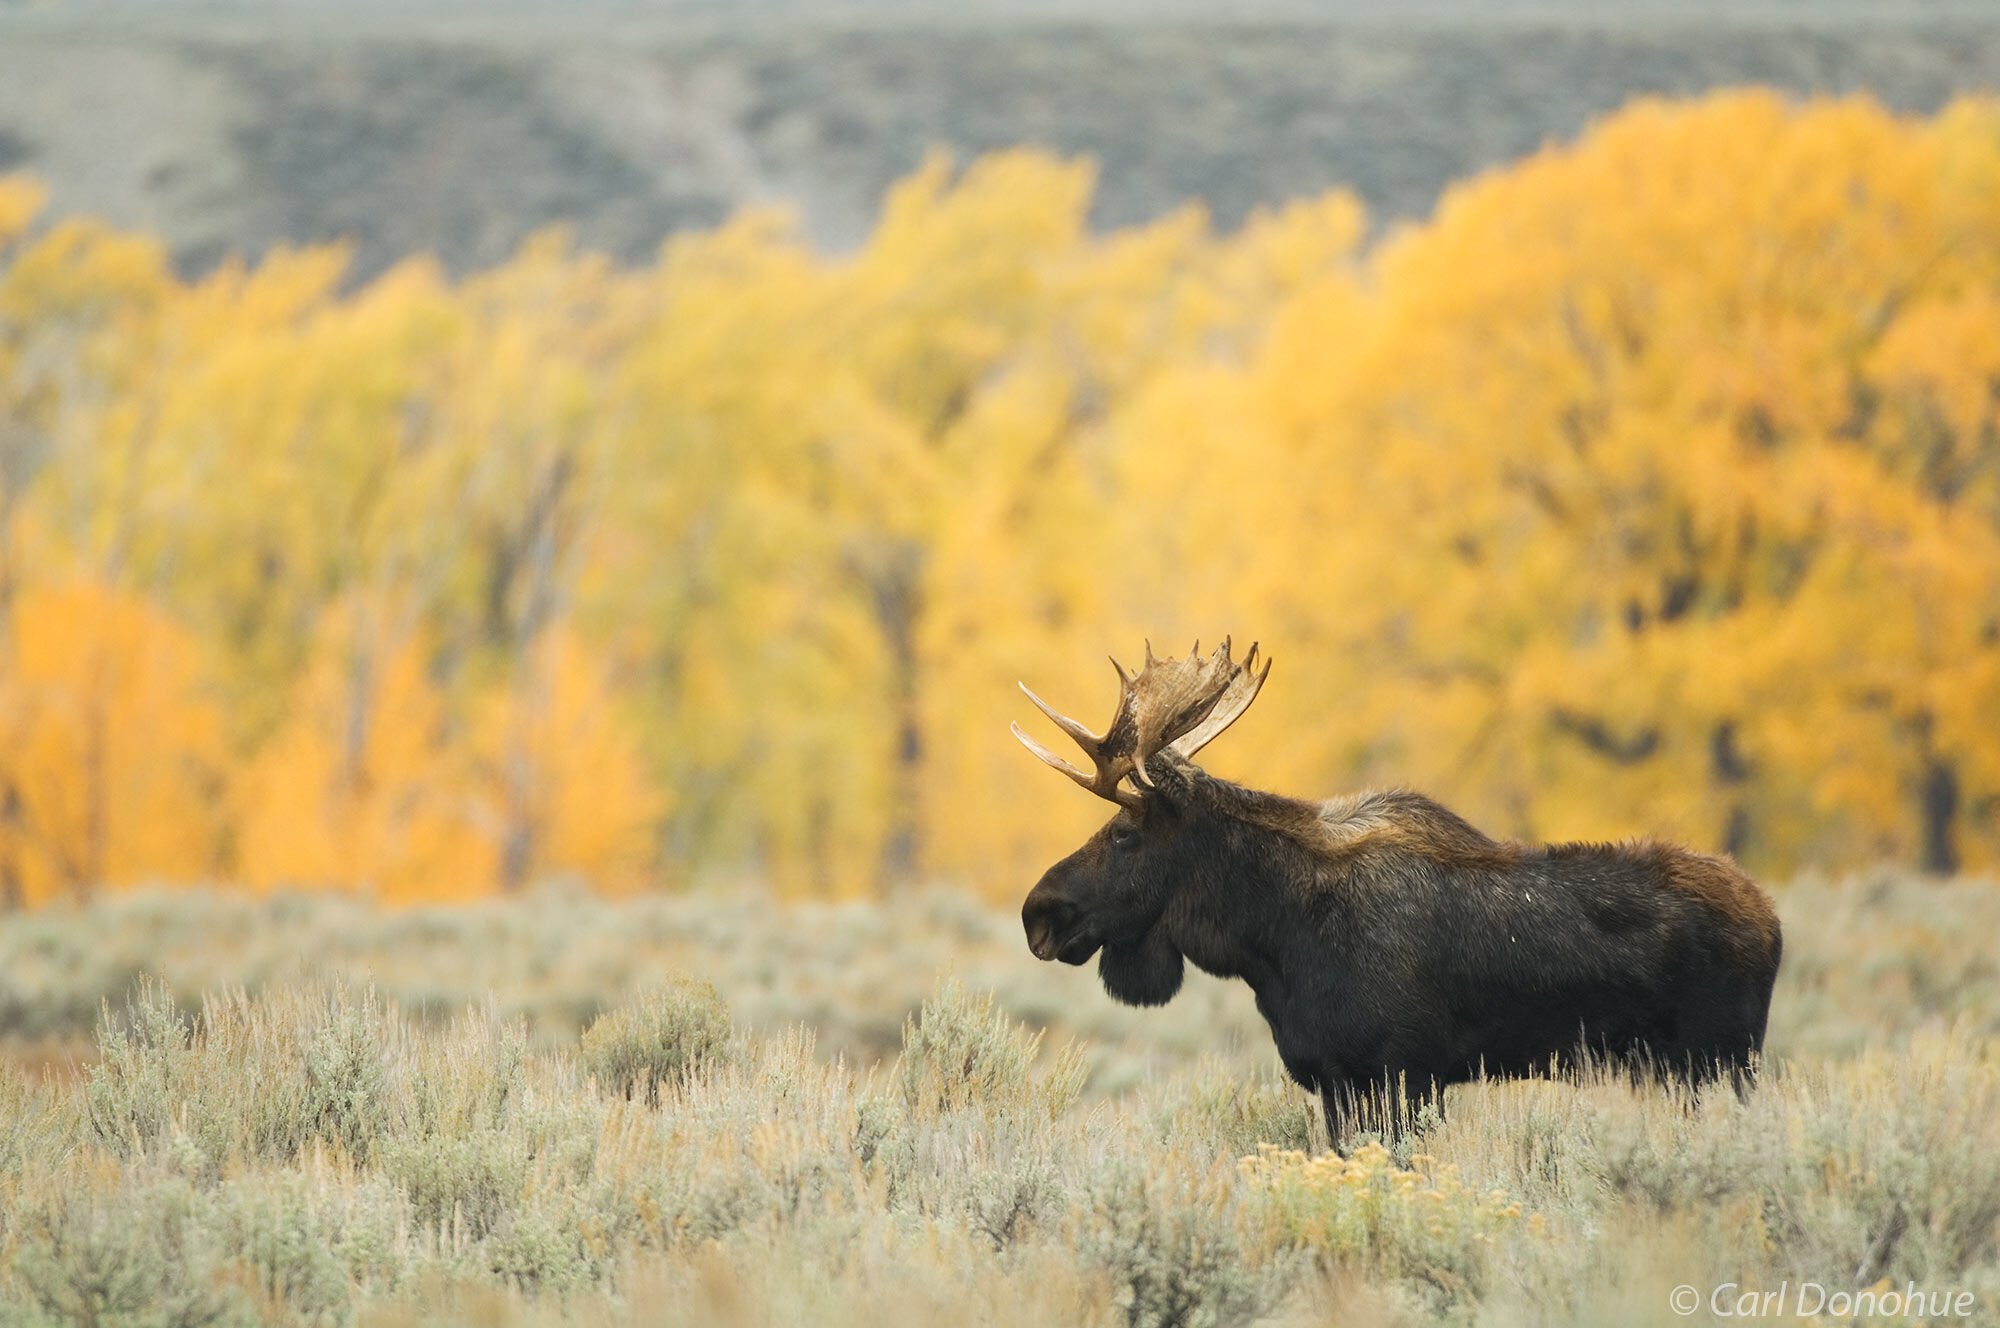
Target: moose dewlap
column 1392, row 947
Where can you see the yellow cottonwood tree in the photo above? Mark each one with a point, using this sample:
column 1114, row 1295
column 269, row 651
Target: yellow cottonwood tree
column 379, row 780
column 363, row 785
column 111, row 758
column 1626, row 524
column 564, row 768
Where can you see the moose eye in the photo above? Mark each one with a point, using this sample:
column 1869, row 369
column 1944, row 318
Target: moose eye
column 1124, row 837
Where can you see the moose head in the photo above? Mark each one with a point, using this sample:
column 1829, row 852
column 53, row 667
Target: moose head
column 1112, row 894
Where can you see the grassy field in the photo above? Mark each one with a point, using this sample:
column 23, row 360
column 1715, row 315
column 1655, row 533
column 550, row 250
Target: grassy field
column 719, row 1110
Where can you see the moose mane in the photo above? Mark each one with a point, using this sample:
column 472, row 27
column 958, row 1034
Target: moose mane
column 1372, row 821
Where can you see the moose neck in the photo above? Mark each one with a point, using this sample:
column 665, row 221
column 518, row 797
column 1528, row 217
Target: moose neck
column 1250, row 869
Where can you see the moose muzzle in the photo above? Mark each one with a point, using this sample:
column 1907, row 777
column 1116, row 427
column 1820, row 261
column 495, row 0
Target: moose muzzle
column 1055, row 929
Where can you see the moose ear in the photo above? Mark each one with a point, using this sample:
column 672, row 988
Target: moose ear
column 1173, row 777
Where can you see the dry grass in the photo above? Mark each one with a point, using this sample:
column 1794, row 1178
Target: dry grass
column 324, row 1151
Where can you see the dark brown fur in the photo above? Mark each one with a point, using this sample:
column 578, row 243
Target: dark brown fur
column 1390, row 942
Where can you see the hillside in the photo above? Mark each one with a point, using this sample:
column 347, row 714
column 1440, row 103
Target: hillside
column 459, row 128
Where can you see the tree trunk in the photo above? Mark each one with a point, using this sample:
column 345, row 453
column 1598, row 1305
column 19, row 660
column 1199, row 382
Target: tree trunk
column 354, row 774
column 1937, row 798
column 89, row 872
column 1732, row 773
column 1937, row 801
column 895, row 583
column 12, row 896
column 520, row 843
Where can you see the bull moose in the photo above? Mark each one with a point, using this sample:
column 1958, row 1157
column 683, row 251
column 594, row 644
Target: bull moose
column 1392, row 947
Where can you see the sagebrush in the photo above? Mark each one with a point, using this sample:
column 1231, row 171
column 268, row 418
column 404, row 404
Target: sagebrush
column 315, row 1154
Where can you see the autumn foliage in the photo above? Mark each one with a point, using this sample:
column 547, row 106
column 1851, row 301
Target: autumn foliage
column 1653, row 486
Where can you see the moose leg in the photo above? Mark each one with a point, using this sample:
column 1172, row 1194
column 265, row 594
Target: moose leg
column 1356, row 1105
column 1743, row 1075
column 1395, row 1116
column 1398, row 1096
column 1342, row 1105
column 1406, row 1094
column 1387, row 1102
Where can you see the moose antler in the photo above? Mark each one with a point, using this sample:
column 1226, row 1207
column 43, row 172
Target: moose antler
column 1177, row 703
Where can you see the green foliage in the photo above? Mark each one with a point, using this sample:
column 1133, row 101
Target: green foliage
column 657, row 1039
column 25, row 1118
column 1006, row 1203
column 345, row 1073
column 464, row 1157
column 141, row 1066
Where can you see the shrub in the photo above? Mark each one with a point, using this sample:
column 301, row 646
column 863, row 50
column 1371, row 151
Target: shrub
column 142, row 1256
column 30, row 1125
column 460, row 1157
column 960, row 1051
column 250, row 1078
column 308, row 1239
column 463, row 1181
column 1419, row 1222
column 143, row 1064
column 346, row 1072
column 1006, row 1201
column 1168, row 1237
column 307, row 1157
column 1213, row 1111
column 657, row 1038
column 1886, row 1164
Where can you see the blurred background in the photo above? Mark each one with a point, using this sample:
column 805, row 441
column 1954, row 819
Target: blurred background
column 466, row 464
